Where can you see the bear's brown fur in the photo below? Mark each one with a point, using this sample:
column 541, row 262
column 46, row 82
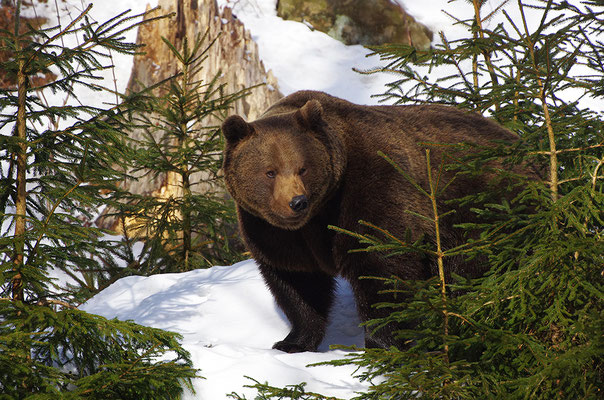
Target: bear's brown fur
column 312, row 161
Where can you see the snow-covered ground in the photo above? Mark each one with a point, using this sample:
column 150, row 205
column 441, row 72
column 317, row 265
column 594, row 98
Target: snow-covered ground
column 229, row 322
column 227, row 317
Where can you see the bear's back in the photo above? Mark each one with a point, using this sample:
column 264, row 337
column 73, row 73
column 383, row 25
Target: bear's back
column 400, row 123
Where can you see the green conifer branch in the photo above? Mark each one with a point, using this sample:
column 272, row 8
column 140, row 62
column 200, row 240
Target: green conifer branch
column 487, row 56
column 553, row 158
column 439, row 251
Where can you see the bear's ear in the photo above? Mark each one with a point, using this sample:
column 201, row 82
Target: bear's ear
column 311, row 114
column 234, row 128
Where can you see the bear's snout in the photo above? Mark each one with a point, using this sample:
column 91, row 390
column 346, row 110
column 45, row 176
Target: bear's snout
column 290, row 200
column 299, row 203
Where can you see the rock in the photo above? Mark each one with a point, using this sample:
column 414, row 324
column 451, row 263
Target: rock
column 366, row 22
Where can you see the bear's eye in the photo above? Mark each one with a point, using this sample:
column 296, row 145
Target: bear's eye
column 271, row 174
column 302, row 171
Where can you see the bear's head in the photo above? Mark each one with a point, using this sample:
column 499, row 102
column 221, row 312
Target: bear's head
column 283, row 166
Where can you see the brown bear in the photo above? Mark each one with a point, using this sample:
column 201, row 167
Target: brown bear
column 310, row 161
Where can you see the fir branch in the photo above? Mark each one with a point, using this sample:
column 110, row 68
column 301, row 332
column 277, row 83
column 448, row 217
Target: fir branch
column 569, row 150
column 553, row 170
column 59, row 34
column 59, row 201
column 462, row 75
column 594, row 176
column 487, row 57
column 408, row 177
column 46, row 302
column 439, row 253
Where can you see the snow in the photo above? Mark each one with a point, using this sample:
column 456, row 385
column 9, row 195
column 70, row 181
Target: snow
column 226, row 315
column 229, row 322
column 301, row 58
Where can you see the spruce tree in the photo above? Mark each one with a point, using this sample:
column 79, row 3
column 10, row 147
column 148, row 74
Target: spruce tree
column 193, row 227
column 60, row 163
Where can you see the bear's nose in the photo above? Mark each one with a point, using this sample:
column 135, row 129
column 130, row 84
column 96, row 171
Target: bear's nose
column 298, row 203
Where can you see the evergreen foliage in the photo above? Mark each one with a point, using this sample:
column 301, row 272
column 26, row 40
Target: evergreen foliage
column 293, row 392
column 70, row 354
column 54, row 167
column 532, row 327
column 193, row 227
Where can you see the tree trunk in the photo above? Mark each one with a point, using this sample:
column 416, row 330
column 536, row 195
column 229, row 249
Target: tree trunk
column 21, row 200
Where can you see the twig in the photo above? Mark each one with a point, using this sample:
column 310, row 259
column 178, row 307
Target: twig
column 440, row 254
column 553, row 169
column 595, row 176
column 485, row 53
column 595, row 146
column 46, row 302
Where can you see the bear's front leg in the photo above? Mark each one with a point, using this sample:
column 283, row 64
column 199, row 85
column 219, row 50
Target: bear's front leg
column 305, row 298
column 360, row 269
